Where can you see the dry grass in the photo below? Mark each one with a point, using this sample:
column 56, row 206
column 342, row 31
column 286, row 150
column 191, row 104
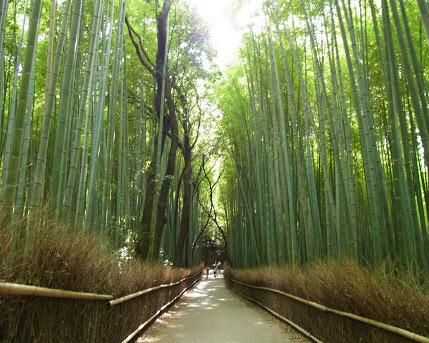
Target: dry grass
column 382, row 294
column 69, row 260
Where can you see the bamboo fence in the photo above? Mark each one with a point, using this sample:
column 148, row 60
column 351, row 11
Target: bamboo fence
column 146, row 291
column 24, row 290
column 142, row 326
column 402, row 332
column 291, row 323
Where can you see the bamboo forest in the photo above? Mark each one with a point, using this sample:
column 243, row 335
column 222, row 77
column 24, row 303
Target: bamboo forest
column 122, row 128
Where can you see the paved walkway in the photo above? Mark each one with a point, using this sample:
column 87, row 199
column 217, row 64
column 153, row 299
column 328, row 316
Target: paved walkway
column 212, row 313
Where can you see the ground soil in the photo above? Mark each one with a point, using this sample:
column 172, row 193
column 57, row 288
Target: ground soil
column 210, row 312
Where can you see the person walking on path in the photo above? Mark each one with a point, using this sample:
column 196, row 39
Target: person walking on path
column 214, row 269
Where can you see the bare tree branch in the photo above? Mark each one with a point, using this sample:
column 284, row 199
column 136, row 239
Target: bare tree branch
column 136, row 46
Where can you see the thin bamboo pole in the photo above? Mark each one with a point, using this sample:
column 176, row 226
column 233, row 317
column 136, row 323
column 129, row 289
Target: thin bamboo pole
column 16, row 289
column 149, row 290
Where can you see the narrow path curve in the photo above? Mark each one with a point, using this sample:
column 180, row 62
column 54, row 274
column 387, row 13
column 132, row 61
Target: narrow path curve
column 212, row 313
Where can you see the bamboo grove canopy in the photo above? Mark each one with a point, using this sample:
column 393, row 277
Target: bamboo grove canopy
column 314, row 143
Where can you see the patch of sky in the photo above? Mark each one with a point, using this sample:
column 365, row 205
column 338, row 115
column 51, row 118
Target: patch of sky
column 227, row 25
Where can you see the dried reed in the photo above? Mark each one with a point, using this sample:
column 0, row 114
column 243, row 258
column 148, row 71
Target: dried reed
column 63, row 258
column 383, row 294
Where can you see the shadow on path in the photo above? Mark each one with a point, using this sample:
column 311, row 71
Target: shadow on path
column 212, row 313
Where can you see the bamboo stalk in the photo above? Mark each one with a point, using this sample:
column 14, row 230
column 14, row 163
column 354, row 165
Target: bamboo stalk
column 16, row 289
column 19, row 120
column 402, row 332
column 38, row 180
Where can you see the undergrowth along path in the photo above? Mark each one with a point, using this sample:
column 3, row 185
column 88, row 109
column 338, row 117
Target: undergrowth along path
column 212, row 313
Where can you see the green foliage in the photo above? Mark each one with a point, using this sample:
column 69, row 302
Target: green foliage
column 345, row 138
column 109, row 120
column 65, row 258
column 318, row 157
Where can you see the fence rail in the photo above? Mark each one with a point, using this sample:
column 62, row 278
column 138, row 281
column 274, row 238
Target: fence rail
column 101, row 315
column 402, row 332
column 25, row 290
column 16, row 289
column 137, row 294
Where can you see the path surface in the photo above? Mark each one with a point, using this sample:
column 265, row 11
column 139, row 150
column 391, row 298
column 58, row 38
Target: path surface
column 212, row 313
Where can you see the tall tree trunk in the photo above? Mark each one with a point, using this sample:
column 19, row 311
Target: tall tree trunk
column 187, row 197
column 161, row 217
column 143, row 242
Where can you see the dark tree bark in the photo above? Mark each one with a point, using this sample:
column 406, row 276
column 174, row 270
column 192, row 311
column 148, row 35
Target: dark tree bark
column 160, row 56
column 187, row 196
column 143, row 241
column 161, row 217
